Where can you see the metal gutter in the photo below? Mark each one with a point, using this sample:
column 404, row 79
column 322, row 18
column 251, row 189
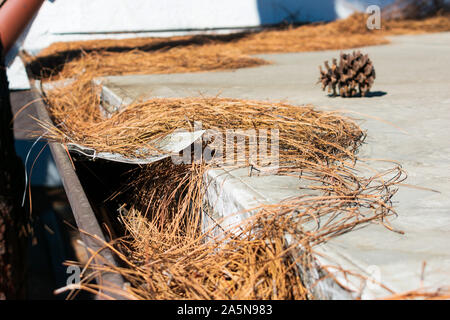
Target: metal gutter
column 90, row 230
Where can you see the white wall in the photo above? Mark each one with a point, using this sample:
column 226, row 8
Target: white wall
column 78, row 19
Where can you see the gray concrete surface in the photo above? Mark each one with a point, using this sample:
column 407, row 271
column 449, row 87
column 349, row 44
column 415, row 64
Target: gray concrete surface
column 407, row 118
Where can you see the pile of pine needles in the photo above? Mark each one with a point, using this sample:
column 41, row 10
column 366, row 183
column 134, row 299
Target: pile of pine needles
column 165, row 254
column 302, row 130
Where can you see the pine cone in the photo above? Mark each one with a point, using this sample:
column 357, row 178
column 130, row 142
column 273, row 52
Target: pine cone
column 354, row 70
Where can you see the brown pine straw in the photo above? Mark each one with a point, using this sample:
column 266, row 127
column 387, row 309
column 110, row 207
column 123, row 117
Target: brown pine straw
column 442, row 293
column 164, row 253
column 313, row 134
column 207, row 53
